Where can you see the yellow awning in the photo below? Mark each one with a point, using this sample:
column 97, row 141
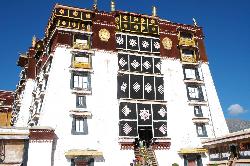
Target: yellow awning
column 192, row 150
column 81, row 153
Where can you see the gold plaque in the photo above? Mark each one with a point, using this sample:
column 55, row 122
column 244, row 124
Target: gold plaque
column 104, row 35
column 167, row 43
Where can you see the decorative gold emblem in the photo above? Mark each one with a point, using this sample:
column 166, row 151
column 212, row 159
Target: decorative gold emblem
column 88, row 15
column 152, row 21
column 142, row 28
column 75, row 13
column 125, row 18
column 63, row 23
column 167, row 43
column 136, row 27
column 142, row 20
column 136, row 19
column 117, row 19
column 104, row 35
column 61, row 11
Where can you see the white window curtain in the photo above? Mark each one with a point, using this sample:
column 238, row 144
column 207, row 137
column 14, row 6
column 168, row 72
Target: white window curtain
column 81, row 82
column 80, row 41
column 200, row 130
column 193, row 92
column 82, row 59
column 79, row 124
column 190, row 73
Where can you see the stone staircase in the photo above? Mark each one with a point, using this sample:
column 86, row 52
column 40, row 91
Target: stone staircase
column 145, row 156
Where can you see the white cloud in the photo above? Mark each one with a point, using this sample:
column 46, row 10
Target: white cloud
column 236, row 109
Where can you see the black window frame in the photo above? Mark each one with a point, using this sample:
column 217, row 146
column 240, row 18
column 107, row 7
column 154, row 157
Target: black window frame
column 201, row 96
column 197, row 74
column 204, row 131
column 83, row 74
column 83, row 98
column 74, row 131
column 200, row 114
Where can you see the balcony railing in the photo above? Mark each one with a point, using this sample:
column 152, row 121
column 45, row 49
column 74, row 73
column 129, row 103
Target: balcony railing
column 188, row 58
column 83, row 65
column 186, row 42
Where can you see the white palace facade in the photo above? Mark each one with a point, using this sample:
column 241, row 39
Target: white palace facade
column 115, row 89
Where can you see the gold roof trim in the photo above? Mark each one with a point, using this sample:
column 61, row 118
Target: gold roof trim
column 192, row 150
column 78, row 152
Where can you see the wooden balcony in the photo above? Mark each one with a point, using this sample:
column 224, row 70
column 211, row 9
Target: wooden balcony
column 186, row 42
column 187, row 58
column 82, row 65
column 81, row 46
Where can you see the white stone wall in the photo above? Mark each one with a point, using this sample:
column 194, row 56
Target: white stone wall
column 103, row 104
column 39, row 154
column 217, row 116
column 103, row 129
column 26, row 100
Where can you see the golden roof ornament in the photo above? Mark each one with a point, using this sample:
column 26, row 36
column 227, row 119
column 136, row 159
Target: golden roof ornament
column 195, row 23
column 33, row 41
column 112, row 5
column 95, row 5
column 154, row 11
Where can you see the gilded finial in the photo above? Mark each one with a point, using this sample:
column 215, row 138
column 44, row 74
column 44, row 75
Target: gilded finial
column 112, row 5
column 154, row 11
column 33, row 41
column 95, row 5
column 195, row 23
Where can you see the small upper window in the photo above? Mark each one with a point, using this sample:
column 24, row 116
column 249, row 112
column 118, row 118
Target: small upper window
column 79, row 125
column 198, row 111
column 81, row 101
column 81, row 80
column 188, row 52
column 82, row 60
column 194, row 92
column 81, row 41
column 191, row 73
column 186, row 35
column 201, row 130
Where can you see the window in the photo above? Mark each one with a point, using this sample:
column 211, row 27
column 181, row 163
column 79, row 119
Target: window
column 81, row 80
column 82, row 60
column 194, row 92
column 186, row 35
column 198, row 111
column 201, row 130
column 79, row 125
column 187, row 52
column 188, row 55
column 81, row 101
column 81, row 41
column 191, row 73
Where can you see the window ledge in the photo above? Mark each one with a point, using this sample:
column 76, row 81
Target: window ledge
column 193, row 102
column 81, row 91
column 81, row 112
column 78, row 50
column 200, row 120
column 189, row 63
column 194, row 81
column 81, row 69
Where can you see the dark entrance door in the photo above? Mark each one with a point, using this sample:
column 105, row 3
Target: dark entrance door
column 145, row 134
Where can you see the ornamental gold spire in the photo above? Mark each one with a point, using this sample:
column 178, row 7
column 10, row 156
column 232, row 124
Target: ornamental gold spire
column 195, row 23
column 33, row 41
column 154, row 11
column 95, row 5
column 112, row 5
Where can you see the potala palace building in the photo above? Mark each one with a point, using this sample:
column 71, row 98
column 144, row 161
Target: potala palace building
column 115, row 89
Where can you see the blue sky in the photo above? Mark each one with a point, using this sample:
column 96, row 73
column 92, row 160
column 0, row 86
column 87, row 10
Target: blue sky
column 226, row 26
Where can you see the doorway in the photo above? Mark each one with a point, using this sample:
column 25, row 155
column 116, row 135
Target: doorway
column 145, row 134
